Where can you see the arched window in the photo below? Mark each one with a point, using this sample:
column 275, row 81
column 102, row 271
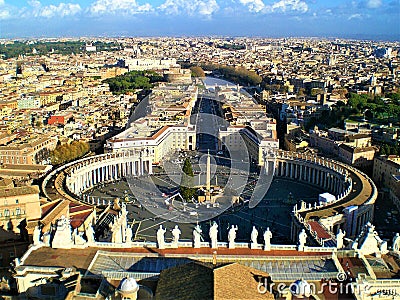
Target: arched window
column 6, row 212
column 17, row 211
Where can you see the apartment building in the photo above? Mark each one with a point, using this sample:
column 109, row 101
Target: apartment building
column 29, row 151
column 18, row 204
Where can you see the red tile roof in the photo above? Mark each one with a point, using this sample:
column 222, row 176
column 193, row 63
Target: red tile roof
column 321, row 232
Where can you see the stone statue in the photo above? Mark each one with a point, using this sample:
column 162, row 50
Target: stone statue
column 46, row 238
column 176, row 232
column 90, row 234
column 302, row 239
column 396, row 243
column 63, row 236
column 339, row 239
column 116, row 233
column 128, row 234
column 123, row 218
column 197, row 236
column 160, row 237
column 254, row 235
column 77, row 237
column 36, row 236
column 232, row 236
column 214, row 235
column 267, row 239
column 116, row 205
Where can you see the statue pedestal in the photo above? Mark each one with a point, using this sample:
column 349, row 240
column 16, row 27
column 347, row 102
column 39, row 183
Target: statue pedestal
column 267, row 248
column 231, row 245
column 300, row 248
column 254, row 246
column 174, row 245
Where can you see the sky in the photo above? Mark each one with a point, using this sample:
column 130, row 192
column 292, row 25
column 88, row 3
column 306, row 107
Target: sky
column 363, row 19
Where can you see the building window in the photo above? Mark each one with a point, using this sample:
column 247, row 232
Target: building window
column 16, row 201
column 17, row 211
column 6, row 212
column 12, row 254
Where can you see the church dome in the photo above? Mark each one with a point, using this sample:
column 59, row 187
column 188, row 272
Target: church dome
column 300, row 288
column 128, row 285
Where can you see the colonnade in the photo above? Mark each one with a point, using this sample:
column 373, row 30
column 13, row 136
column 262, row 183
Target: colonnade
column 317, row 171
column 84, row 177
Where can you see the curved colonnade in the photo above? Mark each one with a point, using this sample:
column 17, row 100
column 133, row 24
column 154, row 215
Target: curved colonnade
column 350, row 186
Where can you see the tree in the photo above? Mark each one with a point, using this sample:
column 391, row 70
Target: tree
column 66, row 153
column 187, row 186
column 197, row 71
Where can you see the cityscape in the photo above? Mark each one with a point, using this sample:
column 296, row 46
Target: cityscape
column 202, row 156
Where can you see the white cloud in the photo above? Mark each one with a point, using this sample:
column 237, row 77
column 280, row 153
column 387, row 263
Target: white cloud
column 202, row 7
column 50, row 11
column 282, row 5
column 290, row 5
column 355, row 16
column 374, row 3
column 254, row 5
column 4, row 14
column 4, row 11
column 123, row 6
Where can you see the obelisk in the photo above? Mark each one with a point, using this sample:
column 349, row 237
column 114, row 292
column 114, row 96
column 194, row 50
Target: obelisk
column 208, row 174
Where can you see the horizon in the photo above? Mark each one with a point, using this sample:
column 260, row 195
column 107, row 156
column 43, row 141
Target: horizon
column 361, row 19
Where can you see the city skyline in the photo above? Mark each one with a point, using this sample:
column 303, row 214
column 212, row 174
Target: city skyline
column 367, row 19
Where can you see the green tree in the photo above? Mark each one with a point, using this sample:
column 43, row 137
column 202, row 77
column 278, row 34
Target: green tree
column 186, row 187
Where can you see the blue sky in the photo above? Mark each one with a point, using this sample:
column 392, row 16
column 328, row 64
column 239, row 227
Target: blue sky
column 267, row 18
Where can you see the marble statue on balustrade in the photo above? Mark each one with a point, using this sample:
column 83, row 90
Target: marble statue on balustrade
column 369, row 242
column 213, row 233
column 339, row 239
column 123, row 219
column 63, row 235
column 46, row 238
column 176, row 232
column 90, row 234
column 254, row 236
column 396, row 243
column 116, row 205
column 77, row 237
column 232, row 236
column 197, row 236
column 128, row 234
column 267, row 239
column 116, row 233
column 160, row 237
column 302, row 239
column 36, row 236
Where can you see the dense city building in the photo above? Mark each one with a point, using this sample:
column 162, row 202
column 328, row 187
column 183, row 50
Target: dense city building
column 166, row 168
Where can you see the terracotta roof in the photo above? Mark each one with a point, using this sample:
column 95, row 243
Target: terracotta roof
column 78, row 219
column 48, row 206
column 190, row 281
column 321, row 232
column 235, row 281
column 197, row 280
column 76, row 207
